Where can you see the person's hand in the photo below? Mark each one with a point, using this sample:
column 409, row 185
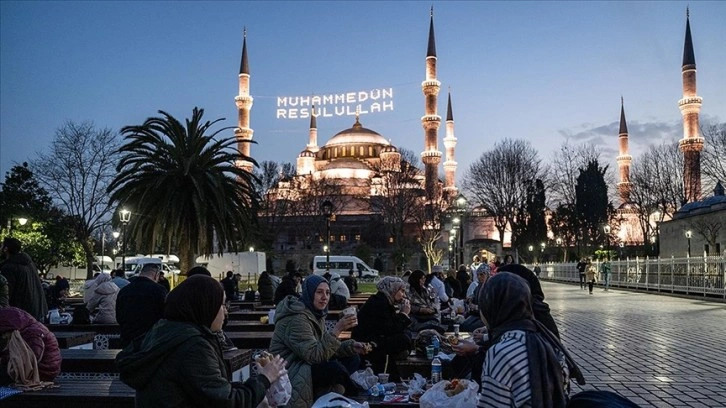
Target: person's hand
column 360, row 348
column 344, row 323
column 464, row 348
column 274, row 369
column 478, row 334
column 406, row 307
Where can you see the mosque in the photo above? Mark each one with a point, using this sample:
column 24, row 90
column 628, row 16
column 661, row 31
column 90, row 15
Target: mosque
column 355, row 168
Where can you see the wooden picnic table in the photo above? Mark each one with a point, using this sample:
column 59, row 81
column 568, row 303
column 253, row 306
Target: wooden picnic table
column 77, row 393
column 257, row 314
column 260, row 339
column 73, row 339
column 264, row 307
column 247, row 325
column 244, row 305
column 97, row 328
column 104, row 361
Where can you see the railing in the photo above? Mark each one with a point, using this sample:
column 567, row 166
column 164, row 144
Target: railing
column 698, row 276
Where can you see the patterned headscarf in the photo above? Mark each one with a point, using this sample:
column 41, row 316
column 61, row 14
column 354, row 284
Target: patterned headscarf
column 308, row 294
column 389, row 285
column 485, row 269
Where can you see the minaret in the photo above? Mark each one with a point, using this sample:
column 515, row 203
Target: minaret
column 450, row 144
column 624, row 158
column 690, row 105
column 313, row 135
column 243, row 133
column 431, row 156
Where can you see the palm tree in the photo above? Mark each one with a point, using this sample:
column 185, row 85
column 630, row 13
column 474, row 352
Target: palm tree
column 184, row 188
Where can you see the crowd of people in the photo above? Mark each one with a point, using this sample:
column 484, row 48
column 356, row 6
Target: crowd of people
column 173, row 349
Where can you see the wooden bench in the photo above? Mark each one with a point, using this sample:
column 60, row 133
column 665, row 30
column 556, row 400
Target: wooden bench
column 108, row 336
column 77, row 393
column 244, row 305
column 247, row 325
column 257, row 314
column 74, row 339
column 261, row 340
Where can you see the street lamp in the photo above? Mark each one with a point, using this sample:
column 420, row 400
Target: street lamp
column 531, row 248
column 652, row 244
column 125, row 217
column 22, row 221
column 541, row 253
column 327, row 208
column 689, row 234
column 252, row 249
column 558, row 240
column 606, row 228
column 461, row 210
column 621, row 244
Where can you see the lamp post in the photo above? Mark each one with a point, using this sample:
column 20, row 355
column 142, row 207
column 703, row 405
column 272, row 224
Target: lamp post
column 541, row 253
column 652, row 244
column 531, row 248
column 461, row 210
column 125, row 217
column 689, row 234
column 622, row 245
column 327, row 208
column 606, row 228
column 455, row 241
column 559, row 244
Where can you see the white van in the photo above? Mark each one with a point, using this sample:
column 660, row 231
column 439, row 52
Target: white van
column 135, row 263
column 341, row 264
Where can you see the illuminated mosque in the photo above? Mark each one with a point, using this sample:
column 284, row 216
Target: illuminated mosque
column 357, row 161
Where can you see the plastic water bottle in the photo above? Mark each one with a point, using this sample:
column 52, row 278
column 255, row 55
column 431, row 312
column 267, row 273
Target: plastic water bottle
column 437, row 344
column 377, row 390
column 54, row 316
column 435, row 370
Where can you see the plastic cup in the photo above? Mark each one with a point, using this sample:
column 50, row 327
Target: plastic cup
column 383, row 378
column 351, row 311
column 456, row 330
column 430, row 352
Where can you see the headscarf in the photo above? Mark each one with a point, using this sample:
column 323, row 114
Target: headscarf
column 389, row 285
column 308, row 294
column 196, row 300
column 483, row 269
column 414, row 281
column 199, row 270
column 540, row 308
column 103, row 277
column 506, row 304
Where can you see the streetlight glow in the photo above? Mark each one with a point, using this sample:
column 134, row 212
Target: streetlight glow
column 22, row 221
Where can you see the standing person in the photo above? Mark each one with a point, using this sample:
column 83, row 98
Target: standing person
column 317, row 361
column 164, row 282
column 119, row 278
column 591, row 276
column 140, row 304
column 526, row 364
column 508, row 259
column 102, row 300
column 537, row 269
column 25, row 288
column 180, row 363
column 351, row 282
column 581, row 269
column 475, row 265
column 452, row 285
column 381, row 323
column 464, row 280
column 229, row 284
column 605, row 270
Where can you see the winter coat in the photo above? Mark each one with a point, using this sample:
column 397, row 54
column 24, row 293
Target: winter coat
column 287, row 287
column 338, row 287
column 420, row 301
column 591, row 273
column 180, row 364
column 266, row 288
column 39, row 338
column 302, row 340
column 139, row 305
column 102, row 300
column 379, row 322
column 24, row 285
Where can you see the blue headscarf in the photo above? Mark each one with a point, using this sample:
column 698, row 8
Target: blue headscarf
column 308, row 294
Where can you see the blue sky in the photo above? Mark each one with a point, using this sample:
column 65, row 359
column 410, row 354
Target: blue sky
column 540, row 71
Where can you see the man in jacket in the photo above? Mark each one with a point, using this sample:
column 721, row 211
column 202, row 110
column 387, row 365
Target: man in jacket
column 140, row 304
column 24, row 286
column 581, row 267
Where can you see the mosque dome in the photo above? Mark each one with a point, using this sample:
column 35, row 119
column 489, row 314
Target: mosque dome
column 357, row 135
column 389, row 149
column 306, row 153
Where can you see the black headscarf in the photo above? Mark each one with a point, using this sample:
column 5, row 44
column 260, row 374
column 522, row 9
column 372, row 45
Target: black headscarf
column 506, row 304
column 196, row 300
column 540, row 308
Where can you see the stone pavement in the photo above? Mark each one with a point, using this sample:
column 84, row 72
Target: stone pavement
column 658, row 351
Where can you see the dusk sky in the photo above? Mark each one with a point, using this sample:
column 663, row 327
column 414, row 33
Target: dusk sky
column 539, row 71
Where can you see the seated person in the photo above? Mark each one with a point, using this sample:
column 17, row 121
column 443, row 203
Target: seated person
column 351, row 282
column 102, row 300
column 525, row 364
column 179, row 362
column 473, row 321
column 288, row 286
column 339, row 293
column 317, row 361
column 423, row 308
column 381, row 323
column 20, row 333
column 266, row 287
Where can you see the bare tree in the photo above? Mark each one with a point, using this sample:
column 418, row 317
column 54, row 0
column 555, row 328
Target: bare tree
column 713, row 161
column 566, row 165
column 498, row 182
column 709, row 230
column 76, row 172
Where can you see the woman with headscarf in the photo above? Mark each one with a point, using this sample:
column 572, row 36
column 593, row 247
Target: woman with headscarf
column 381, row 323
column 526, row 364
column 180, row 364
column 423, row 308
column 317, row 361
column 102, row 300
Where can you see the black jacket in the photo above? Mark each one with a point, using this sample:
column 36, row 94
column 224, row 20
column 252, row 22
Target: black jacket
column 379, row 322
column 266, row 288
column 287, row 287
column 24, row 285
column 139, row 305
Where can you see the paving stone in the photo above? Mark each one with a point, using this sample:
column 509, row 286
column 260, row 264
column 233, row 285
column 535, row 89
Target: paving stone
column 656, row 350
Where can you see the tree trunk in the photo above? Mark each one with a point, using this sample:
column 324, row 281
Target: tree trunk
column 89, row 258
column 187, row 260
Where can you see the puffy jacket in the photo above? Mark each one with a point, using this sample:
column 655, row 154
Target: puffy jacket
column 39, row 338
column 180, row 364
column 302, row 340
column 24, row 285
column 102, row 300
